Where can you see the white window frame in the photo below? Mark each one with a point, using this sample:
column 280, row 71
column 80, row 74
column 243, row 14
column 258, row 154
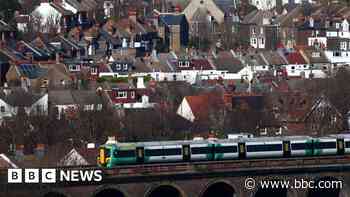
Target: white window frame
column 122, row 94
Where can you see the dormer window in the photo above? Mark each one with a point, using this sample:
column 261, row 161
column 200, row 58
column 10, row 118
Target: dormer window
column 184, row 64
column 125, row 67
column 119, row 67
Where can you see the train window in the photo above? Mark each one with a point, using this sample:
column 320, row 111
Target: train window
column 154, row 152
column 172, row 151
column 325, row 145
column 347, row 144
column 301, row 146
column 125, row 153
column 264, row 147
column 226, row 149
column 200, row 150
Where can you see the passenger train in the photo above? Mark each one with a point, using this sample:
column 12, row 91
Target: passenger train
column 115, row 154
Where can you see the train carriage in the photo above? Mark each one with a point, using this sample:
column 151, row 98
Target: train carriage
column 265, row 147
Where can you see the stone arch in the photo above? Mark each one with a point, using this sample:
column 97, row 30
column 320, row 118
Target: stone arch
column 333, row 192
column 109, row 190
column 213, row 184
column 180, row 192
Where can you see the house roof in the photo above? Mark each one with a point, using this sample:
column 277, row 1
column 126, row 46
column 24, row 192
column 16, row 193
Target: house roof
column 209, row 5
column 31, row 71
column 5, row 27
column 273, row 58
column 226, row 61
column 6, row 162
column 172, row 19
column 71, row 97
column 200, row 104
column 19, row 97
column 315, row 56
column 295, row 58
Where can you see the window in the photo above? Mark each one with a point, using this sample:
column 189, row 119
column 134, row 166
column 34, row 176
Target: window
column 99, row 107
column 325, row 145
column 132, row 94
column 316, row 54
column 343, row 45
column 301, row 146
column 253, row 30
column 337, row 25
column 336, row 54
column 172, row 151
column 201, row 150
column 2, row 108
column 261, row 30
column 122, row 94
column 38, row 108
column 254, row 41
column 124, row 153
column 125, row 67
column 93, row 70
column 262, row 41
column 264, row 147
column 119, row 67
column 293, row 67
column 154, row 152
column 226, row 149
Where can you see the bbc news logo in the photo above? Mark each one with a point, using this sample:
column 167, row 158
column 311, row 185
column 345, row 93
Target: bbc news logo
column 52, row 175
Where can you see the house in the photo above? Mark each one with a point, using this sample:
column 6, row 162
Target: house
column 52, row 17
column 269, row 4
column 338, row 50
column 13, row 100
column 68, row 103
column 323, row 117
column 79, row 157
column 174, row 30
column 196, row 108
column 199, row 12
column 261, row 30
column 128, row 96
column 27, row 75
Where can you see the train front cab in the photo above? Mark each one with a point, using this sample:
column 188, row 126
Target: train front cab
column 104, row 156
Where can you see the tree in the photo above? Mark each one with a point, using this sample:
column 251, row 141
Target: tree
column 8, row 8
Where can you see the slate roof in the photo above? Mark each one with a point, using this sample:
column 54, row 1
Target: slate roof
column 226, row 61
column 172, row 19
column 20, row 98
column 32, row 71
column 5, row 27
column 6, row 162
column 70, row 97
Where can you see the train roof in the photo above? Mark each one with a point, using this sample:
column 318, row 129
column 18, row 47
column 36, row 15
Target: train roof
column 210, row 141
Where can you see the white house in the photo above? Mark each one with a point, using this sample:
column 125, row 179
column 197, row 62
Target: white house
column 49, row 15
column 11, row 100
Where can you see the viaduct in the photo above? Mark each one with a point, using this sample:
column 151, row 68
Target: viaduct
column 234, row 178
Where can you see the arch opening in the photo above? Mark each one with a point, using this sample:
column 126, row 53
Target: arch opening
column 220, row 189
column 165, row 190
column 325, row 187
column 109, row 193
column 54, row 194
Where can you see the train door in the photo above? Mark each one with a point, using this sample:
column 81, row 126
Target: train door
column 140, row 154
column 241, row 150
column 286, row 149
column 186, row 154
column 340, row 146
